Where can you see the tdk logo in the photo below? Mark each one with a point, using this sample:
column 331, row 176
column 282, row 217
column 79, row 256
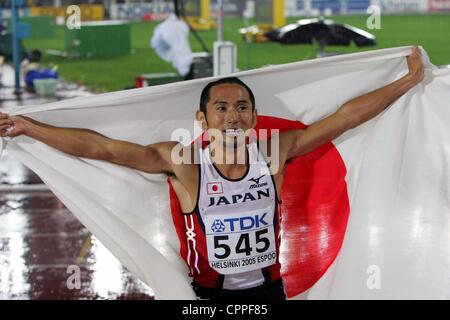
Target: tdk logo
column 257, row 184
column 217, row 226
column 243, row 223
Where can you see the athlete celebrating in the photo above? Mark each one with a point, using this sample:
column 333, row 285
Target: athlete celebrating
column 228, row 191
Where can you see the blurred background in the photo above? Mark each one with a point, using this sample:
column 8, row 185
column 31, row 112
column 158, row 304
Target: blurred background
column 107, row 58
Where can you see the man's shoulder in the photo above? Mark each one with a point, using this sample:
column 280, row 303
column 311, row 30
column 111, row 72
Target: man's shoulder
column 185, row 156
column 269, row 145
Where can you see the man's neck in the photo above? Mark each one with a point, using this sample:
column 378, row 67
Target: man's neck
column 232, row 161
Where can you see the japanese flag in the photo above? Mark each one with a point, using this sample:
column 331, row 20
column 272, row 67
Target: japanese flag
column 365, row 216
column 214, row 187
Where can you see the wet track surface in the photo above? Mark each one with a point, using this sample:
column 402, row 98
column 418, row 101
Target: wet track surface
column 45, row 252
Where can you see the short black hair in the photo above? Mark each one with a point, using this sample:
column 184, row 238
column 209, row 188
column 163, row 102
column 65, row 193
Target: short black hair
column 204, row 97
column 35, row 56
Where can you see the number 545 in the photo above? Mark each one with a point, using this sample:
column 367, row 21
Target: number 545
column 242, row 245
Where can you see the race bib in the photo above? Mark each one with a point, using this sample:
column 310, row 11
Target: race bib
column 240, row 242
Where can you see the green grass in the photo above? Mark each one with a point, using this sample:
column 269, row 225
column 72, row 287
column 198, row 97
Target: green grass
column 116, row 73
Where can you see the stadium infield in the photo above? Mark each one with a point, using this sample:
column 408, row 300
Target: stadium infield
column 117, row 73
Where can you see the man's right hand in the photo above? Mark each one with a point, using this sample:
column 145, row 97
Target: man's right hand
column 11, row 126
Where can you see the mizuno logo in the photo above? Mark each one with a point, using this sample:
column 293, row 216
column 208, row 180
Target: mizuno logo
column 257, row 184
column 256, row 180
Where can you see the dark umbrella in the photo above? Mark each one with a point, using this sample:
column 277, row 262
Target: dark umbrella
column 324, row 32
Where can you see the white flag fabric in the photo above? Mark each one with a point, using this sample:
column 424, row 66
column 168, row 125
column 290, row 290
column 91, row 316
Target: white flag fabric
column 371, row 220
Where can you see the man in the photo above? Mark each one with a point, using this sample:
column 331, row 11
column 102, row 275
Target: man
column 228, row 192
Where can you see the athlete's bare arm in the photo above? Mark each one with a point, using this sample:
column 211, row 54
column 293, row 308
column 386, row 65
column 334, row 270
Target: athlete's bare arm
column 353, row 113
column 155, row 158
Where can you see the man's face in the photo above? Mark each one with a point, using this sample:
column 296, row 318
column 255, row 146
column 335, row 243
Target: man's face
column 229, row 111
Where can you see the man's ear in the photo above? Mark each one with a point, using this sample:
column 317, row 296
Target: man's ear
column 201, row 117
column 255, row 117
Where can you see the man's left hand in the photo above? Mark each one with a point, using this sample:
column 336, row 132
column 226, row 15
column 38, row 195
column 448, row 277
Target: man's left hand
column 415, row 65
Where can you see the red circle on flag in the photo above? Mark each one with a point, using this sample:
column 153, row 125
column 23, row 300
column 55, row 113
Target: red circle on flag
column 214, row 188
column 315, row 209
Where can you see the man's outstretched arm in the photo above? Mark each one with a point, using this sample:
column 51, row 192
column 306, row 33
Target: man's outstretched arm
column 85, row 143
column 353, row 113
